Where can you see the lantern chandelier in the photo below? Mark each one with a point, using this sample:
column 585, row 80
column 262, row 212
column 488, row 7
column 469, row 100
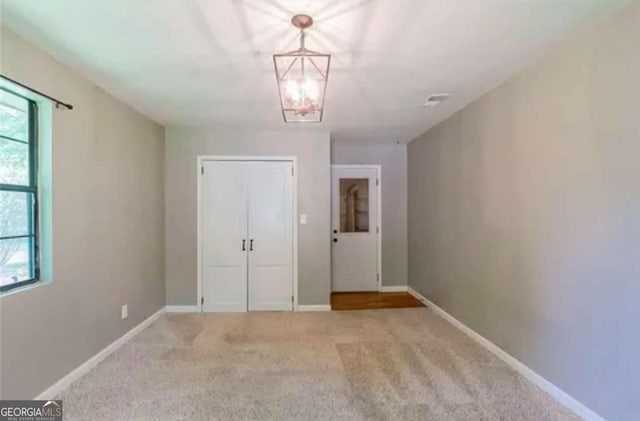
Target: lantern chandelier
column 302, row 78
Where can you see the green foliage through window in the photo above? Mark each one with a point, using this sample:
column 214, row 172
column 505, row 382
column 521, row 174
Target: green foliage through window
column 18, row 191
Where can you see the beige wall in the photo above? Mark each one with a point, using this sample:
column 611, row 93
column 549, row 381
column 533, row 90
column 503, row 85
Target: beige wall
column 392, row 159
column 312, row 150
column 108, row 229
column 524, row 216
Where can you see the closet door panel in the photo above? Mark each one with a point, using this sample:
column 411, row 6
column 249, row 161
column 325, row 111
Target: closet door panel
column 224, row 228
column 270, row 227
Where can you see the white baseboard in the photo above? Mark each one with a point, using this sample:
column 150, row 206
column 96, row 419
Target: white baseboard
column 317, row 307
column 55, row 389
column 182, row 309
column 553, row 390
column 398, row 288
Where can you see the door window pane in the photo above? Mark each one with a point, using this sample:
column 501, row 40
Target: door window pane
column 15, row 257
column 354, row 205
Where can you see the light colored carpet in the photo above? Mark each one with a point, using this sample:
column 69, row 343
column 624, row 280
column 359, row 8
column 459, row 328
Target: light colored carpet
column 380, row 365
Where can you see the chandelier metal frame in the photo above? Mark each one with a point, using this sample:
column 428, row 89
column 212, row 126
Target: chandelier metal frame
column 305, row 59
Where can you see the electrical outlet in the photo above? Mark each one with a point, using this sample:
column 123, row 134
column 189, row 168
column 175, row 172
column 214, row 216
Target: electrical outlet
column 124, row 312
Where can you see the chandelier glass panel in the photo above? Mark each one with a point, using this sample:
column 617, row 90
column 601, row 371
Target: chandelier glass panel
column 302, row 79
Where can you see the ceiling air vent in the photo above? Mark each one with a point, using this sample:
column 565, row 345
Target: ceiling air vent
column 435, row 100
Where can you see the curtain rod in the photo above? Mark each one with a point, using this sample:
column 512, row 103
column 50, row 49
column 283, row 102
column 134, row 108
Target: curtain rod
column 42, row 94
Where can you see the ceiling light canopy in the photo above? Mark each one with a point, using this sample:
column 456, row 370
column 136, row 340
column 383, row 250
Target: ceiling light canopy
column 302, row 78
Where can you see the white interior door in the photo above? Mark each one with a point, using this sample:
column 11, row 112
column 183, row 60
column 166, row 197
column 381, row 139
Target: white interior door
column 224, row 236
column 355, row 229
column 270, row 236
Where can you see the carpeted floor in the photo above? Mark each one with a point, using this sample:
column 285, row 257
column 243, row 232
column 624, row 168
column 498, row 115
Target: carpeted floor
column 380, row 365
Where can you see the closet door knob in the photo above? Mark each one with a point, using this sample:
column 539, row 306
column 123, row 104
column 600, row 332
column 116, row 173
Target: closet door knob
column 251, row 245
column 244, row 245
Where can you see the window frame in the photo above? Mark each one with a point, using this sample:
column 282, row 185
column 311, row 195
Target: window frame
column 31, row 190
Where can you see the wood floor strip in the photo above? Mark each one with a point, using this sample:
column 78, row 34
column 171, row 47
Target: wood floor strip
column 372, row 300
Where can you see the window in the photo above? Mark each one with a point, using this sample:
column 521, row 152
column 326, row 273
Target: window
column 354, row 205
column 18, row 191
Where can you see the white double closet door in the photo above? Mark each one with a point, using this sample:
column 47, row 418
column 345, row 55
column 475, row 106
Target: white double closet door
column 246, row 222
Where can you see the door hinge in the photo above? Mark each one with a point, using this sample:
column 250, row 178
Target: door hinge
column 202, row 301
column 202, row 170
column 377, row 276
column 292, row 299
column 377, row 230
column 291, row 170
column 377, row 181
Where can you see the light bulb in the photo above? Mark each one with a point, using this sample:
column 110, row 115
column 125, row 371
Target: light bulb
column 311, row 90
column 293, row 90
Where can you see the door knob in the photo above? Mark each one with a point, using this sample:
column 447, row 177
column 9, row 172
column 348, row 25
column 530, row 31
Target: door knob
column 335, row 240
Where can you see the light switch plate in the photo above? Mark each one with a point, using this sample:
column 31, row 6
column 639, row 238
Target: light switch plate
column 124, row 311
column 303, row 218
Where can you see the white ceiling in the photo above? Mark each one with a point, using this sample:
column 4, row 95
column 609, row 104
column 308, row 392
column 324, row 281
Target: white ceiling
column 208, row 62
